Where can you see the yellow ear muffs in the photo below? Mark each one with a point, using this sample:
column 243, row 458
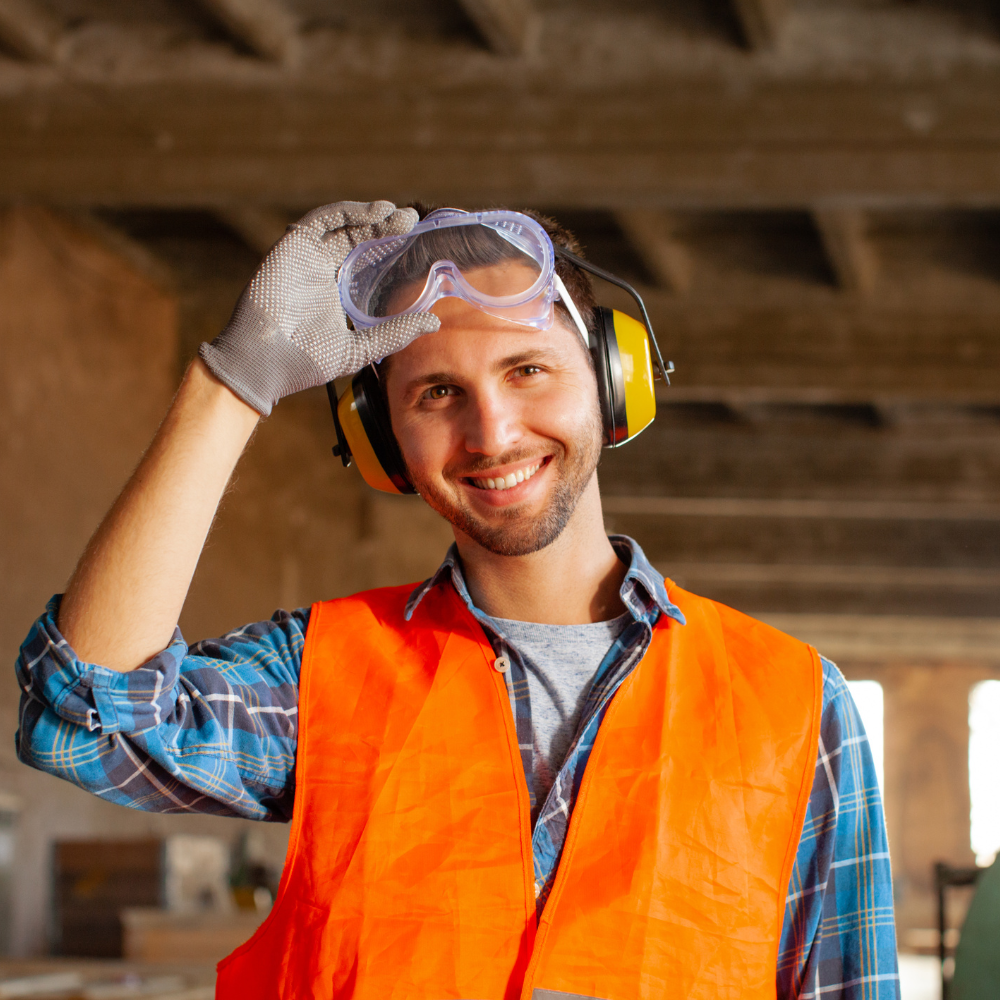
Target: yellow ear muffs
column 624, row 371
column 364, row 434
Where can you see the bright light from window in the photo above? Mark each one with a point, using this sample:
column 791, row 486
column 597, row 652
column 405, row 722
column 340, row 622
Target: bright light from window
column 984, row 769
column 868, row 697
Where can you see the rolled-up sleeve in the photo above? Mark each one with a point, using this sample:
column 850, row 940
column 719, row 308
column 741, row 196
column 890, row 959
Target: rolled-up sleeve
column 211, row 728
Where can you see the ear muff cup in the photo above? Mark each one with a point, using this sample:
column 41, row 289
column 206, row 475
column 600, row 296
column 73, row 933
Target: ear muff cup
column 624, row 369
column 608, row 369
column 364, row 434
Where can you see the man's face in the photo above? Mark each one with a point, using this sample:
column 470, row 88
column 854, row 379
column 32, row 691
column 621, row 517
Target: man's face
column 499, row 425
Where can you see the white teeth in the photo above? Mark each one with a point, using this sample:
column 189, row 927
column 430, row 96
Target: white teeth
column 506, row 482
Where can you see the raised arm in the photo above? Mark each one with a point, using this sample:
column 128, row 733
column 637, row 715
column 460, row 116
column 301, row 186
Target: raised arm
column 288, row 332
column 123, row 601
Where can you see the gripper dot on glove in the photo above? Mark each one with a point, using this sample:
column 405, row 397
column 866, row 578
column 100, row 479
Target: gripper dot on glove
column 288, row 331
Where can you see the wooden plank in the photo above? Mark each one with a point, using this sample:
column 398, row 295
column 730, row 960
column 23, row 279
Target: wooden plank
column 30, row 32
column 761, row 21
column 852, row 256
column 844, row 510
column 507, row 115
column 267, row 27
column 689, row 179
column 652, row 234
column 895, row 637
column 153, row 935
column 509, row 27
column 93, row 880
column 893, row 578
column 757, row 350
column 667, row 144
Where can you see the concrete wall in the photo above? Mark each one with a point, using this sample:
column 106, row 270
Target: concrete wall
column 87, row 369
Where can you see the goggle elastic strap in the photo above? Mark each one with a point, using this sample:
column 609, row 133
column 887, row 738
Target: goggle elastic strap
column 666, row 370
column 571, row 308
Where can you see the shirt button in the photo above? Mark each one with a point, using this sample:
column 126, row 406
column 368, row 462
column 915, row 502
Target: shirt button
column 502, row 664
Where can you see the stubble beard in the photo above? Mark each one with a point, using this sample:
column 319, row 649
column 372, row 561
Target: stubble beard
column 512, row 531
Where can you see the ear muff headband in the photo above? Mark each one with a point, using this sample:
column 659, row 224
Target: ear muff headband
column 364, row 434
column 666, row 370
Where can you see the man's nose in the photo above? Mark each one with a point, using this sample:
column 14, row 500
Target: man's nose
column 493, row 424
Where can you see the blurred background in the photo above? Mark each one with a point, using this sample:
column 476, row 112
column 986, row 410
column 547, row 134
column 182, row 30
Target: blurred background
column 807, row 193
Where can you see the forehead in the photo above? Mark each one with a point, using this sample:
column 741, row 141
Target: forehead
column 471, row 341
column 509, row 277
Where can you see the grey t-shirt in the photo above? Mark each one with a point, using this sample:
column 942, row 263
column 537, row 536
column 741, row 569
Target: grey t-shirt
column 560, row 662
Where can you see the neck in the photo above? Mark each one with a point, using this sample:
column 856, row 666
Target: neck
column 574, row 581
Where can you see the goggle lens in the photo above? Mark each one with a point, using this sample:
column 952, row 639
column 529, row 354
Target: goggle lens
column 502, row 262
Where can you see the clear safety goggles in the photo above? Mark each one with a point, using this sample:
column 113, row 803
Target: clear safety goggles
column 501, row 262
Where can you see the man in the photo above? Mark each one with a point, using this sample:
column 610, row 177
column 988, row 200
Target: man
column 543, row 772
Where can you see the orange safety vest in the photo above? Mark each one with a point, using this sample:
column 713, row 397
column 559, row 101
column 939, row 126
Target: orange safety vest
column 409, row 870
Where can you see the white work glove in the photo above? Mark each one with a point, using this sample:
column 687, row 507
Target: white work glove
column 288, row 331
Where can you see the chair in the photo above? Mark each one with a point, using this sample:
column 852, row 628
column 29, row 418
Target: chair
column 977, row 958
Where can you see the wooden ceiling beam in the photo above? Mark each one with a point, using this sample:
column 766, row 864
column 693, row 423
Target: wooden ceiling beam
column 508, row 115
column 888, row 638
column 774, row 144
column 267, row 27
column 652, row 235
column 781, row 508
column 30, row 32
column 679, row 179
column 810, row 574
column 852, row 256
column 897, row 349
column 761, row 21
column 513, row 111
column 509, row 27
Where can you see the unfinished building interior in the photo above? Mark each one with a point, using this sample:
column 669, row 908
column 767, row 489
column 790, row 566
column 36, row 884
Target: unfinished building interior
column 807, row 193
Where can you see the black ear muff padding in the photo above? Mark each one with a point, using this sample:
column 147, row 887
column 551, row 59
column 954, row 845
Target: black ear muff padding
column 341, row 449
column 610, row 382
column 370, row 403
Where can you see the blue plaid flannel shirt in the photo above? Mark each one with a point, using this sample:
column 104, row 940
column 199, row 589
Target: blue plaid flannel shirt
column 212, row 728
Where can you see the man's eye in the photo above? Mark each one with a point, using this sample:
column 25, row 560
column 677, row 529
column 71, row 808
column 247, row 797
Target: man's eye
column 525, row 370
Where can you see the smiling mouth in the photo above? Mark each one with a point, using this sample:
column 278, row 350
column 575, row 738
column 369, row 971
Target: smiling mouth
column 506, row 482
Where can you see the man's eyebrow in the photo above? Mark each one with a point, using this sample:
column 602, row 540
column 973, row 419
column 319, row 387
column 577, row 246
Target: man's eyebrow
column 523, row 358
column 502, row 365
column 431, row 378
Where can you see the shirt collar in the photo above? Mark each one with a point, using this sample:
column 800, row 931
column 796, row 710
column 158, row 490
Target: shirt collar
column 642, row 588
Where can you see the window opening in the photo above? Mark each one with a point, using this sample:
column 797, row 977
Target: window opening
column 984, row 770
column 869, row 699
